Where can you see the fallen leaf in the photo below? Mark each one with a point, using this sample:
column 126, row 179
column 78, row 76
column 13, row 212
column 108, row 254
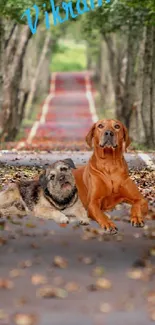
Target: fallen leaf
column 135, row 274
column 62, row 225
column 25, row 319
column 25, row 264
column 98, row 271
column 51, row 292
column 152, row 251
column 3, row 241
column 60, row 262
column 34, row 245
column 152, row 315
column 38, row 279
column 30, row 225
column 103, row 283
column 6, row 284
column 86, row 260
column 72, row 287
column 15, row 273
column 151, row 297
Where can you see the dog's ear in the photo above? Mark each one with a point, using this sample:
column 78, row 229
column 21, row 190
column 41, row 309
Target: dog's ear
column 127, row 140
column 90, row 135
column 42, row 180
column 70, row 163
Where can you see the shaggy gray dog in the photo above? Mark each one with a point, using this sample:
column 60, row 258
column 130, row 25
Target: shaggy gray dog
column 53, row 196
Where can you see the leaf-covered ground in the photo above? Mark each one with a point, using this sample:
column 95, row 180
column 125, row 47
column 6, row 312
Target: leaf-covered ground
column 47, row 272
column 145, row 179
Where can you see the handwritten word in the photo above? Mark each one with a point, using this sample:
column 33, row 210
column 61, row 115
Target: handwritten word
column 57, row 19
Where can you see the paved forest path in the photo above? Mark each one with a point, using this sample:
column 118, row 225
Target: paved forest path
column 106, row 279
column 66, row 115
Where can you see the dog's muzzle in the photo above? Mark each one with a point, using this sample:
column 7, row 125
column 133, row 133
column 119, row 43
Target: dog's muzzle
column 108, row 139
column 65, row 181
column 62, row 178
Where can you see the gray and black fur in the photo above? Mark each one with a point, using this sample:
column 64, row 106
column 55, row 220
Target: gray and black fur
column 53, row 196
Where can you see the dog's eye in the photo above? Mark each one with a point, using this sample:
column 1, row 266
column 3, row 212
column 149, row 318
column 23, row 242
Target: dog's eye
column 52, row 177
column 117, row 126
column 63, row 169
column 100, row 126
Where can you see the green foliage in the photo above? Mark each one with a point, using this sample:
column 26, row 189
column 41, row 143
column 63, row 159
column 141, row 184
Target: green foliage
column 14, row 9
column 108, row 17
column 119, row 14
column 69, row 57
column 145, row 6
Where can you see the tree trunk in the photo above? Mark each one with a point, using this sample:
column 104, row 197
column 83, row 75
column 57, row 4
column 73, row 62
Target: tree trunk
column 140, row 134
column 37, row 72
column 13, row 66
column 107, row 95
column 148, row 81
column 129, row 107
column 1, row 59
column 152, row 108
column 89, row 59
column 116, row 51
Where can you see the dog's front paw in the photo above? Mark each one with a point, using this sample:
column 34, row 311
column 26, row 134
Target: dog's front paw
column 82, row 217
column 63, row 220
column 137, row 222
column 84, row 222
column 108, row 225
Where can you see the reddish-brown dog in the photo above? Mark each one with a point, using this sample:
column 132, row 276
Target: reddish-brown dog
column 104, row 181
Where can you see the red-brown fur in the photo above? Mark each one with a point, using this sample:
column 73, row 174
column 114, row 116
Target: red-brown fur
column 104, row 181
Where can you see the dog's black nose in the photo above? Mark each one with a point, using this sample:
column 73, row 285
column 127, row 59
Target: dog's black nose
column 62, row 177
column 109, row 133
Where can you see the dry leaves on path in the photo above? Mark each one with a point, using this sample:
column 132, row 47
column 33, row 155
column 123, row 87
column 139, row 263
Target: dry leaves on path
column 86, row 260
column 16, row 273
column 25, row 319
column 144, row 274
column 6, row 284
column 151, row 297
column 51, row 292
column 103, row 283
column 98, row 271
column 60, row 262
column 25, row 264
column 145, row 179
column 11, row 174
column 72, row 287
column 38, row 279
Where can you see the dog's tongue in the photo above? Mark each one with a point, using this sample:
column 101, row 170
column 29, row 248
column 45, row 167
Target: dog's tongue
column 66, row 186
